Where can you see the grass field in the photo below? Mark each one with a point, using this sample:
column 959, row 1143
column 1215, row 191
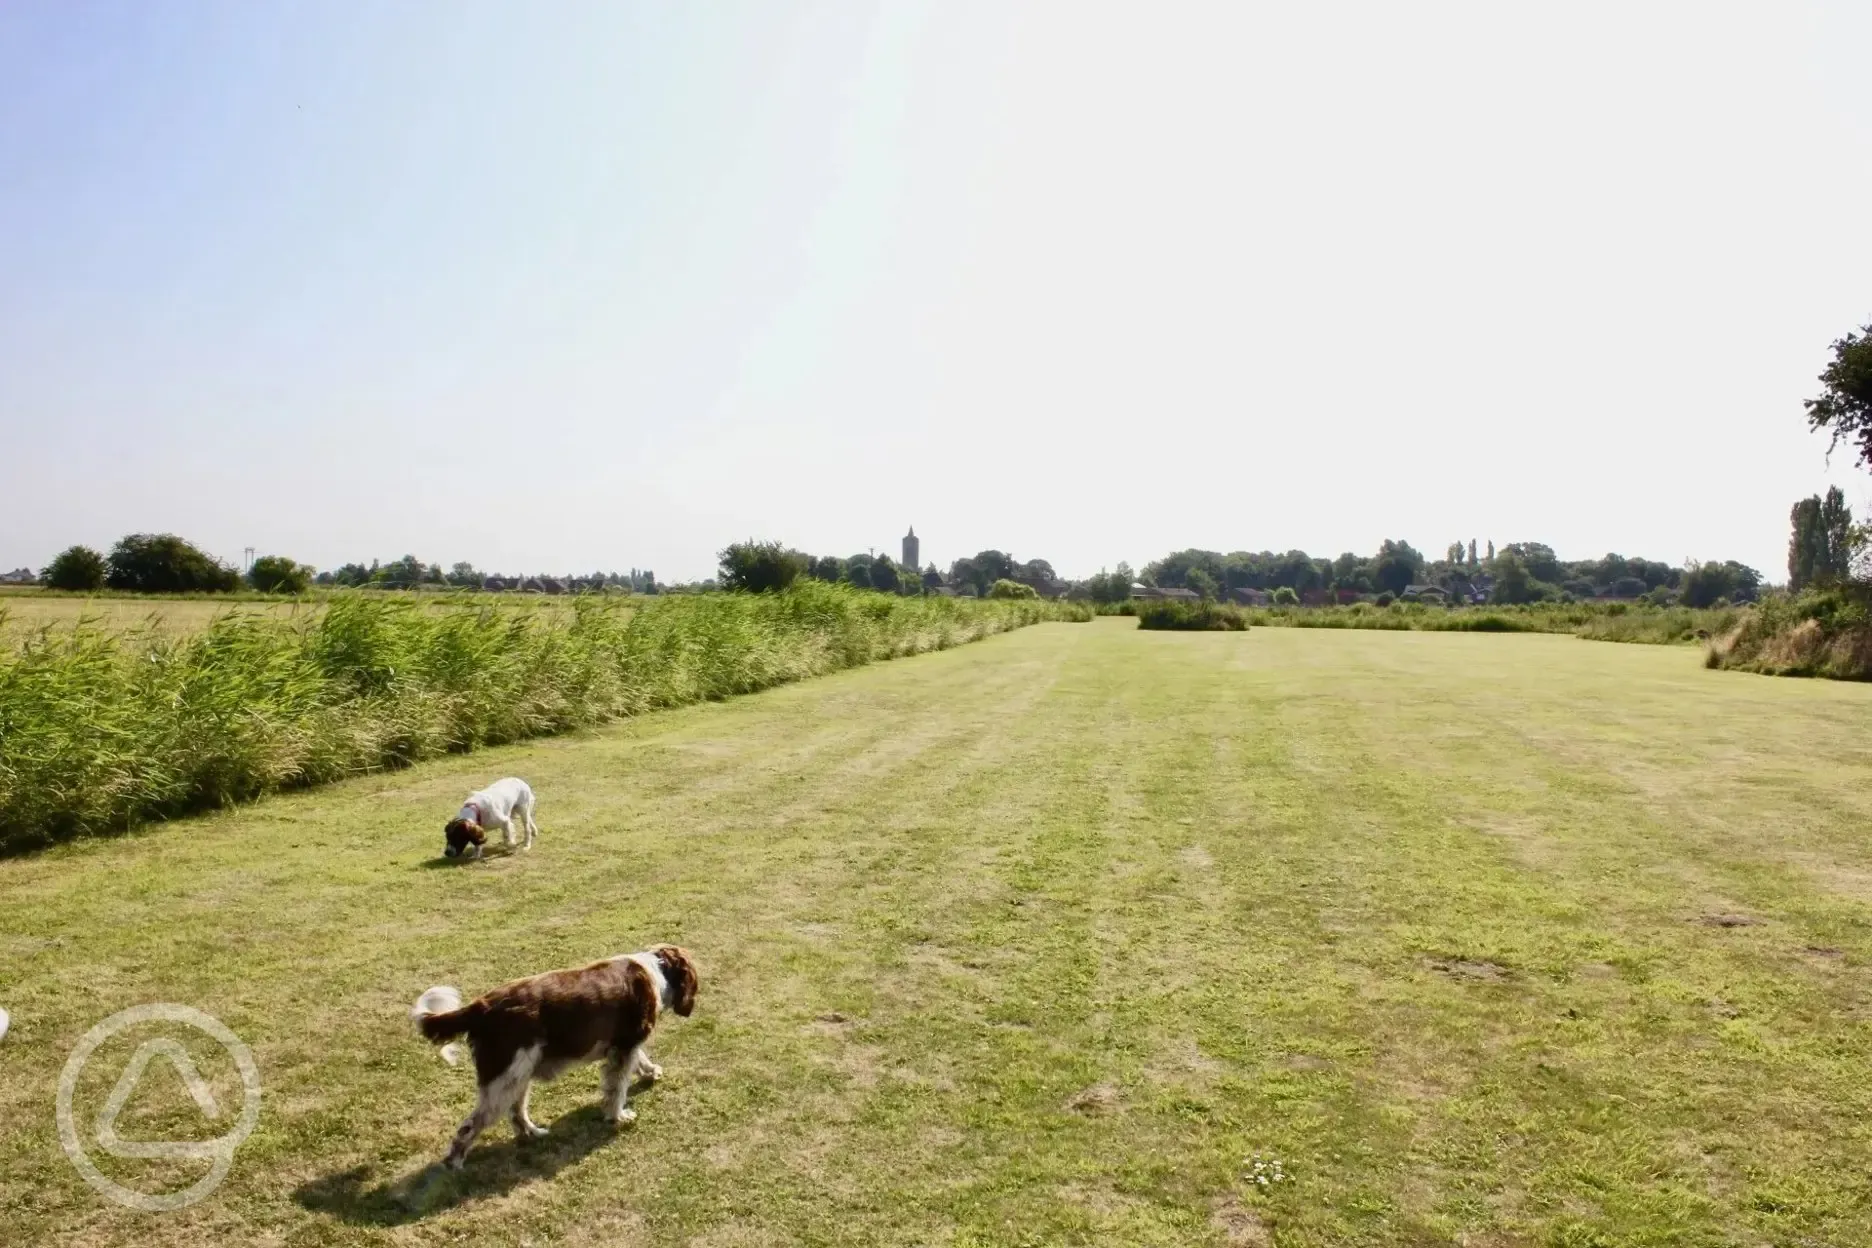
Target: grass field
column 1492, row 940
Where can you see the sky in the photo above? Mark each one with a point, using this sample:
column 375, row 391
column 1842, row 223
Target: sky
column 569, row 286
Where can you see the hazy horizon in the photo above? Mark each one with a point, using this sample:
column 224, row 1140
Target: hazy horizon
column 610, row 285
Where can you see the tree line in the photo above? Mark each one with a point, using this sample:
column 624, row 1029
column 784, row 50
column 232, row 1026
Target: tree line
column 766, row 566
column 1519, row 572
column 162, row 563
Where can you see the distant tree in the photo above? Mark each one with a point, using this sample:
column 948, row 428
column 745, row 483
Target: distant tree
column 1005, row 588
column 1202, row 582
column 1473, row 565
column 1844, row 408
column 404, row 573
column 1513, row 583
column 752, row 567
column 1038, row 570
column 1837, row 541
column 76, row 568
column 1805, row 544
column 1286, row 597
column 1396, row 567
column 352, row 574
column 995, row 566
column 982, row 570
column 1172, row 571
column 932, row 579
column 1542, row 563
column 884, row 575
column 1705, row 584
column 464, row 575
column 1113, row 586
column 858, row 571
column 826, row 568
column 162, row 563
column 1295, row 569
column 1491, row 552
column 276, row 574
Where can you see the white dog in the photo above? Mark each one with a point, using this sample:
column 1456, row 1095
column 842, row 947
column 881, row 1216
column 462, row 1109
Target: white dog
column 496, row 806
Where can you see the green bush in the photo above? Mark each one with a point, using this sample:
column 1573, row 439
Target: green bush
column 1286, row 597
column 100, row 729
column 77, row 568
column 761, row 567
column 163, row 563
column 275, row 574
column 1191, row 616
column 1011, row 589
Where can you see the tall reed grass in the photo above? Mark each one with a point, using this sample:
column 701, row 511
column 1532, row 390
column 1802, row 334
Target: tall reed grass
column 102, row 728
column 1596, row 621
column 1826, row 632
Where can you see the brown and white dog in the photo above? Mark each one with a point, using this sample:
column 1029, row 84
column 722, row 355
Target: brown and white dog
column 537, row 1028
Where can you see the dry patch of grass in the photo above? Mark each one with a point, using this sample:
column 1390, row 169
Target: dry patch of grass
column 1041, row 941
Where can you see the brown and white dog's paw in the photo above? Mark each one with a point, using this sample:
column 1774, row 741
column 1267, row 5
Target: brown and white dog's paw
column 532, row 1131
column 623, row 1118
column 650, row 1071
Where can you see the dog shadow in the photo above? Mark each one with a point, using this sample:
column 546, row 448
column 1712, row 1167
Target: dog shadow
column 492, row 853
column 493, row 1168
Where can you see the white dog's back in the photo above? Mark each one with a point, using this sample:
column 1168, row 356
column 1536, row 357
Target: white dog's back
column 501, row 799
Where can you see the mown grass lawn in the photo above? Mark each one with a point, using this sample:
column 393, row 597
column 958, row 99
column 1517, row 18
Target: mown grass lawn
column 1490, row 940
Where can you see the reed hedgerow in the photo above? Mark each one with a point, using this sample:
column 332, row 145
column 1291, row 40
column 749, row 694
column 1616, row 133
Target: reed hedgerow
column 101, row 728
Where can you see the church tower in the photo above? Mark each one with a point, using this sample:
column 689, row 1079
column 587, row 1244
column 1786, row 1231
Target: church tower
column 910, row 550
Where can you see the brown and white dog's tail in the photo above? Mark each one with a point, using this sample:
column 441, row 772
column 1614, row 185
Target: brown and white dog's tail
column 440, row 1015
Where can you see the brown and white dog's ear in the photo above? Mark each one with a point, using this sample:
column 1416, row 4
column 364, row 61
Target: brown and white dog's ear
column 679, row 971
column 459, row 834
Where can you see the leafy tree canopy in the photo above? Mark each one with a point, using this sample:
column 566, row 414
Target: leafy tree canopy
column 1844, row 408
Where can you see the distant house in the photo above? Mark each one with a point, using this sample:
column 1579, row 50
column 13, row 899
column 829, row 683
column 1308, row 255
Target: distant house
column 1426, row 593
column 1250, row 597
column 18, row 576
column 1150, row 593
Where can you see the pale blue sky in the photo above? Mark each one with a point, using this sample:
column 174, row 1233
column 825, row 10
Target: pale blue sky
column 565, row 286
